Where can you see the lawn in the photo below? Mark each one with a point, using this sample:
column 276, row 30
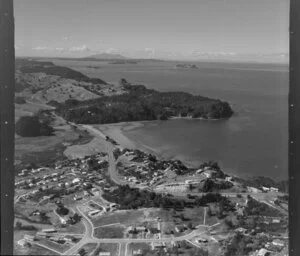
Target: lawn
column 78, row 228
column 123, row 217
column 114, row 231
column 107, row 247
column 33, row 250
column 54, row 245
column 136, row 246
column 89, row 248
column 44, row 150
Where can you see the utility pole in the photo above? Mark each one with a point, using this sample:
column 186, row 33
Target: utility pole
column 7, row 120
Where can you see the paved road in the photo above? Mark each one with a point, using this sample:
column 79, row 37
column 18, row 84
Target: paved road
column 88, row 235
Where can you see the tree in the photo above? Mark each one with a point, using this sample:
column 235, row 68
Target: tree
column 18, row 225
column 82, row 252
column 30, row 126
column 190, row 225
column 61, row 210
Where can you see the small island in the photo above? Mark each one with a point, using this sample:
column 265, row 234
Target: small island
column 186, row 66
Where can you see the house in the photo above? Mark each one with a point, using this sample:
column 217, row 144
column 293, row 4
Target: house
column 94, row 212
column 278, row 243
column 49, row 230
column 265, row 189
column 274, row 189
column 36, row 213
column 179, row 229
column 241, row 230
column 76, row 180
column 76, row 197
column 23, row 243
column 104, row 254
column 137, row 252
column 202, row 240
column 29, row 237
column 228, row 178
column 253, row 190
column 42, row 234
column 62, row 220
column 263, row 252
column 275, row 220
column 30, row 185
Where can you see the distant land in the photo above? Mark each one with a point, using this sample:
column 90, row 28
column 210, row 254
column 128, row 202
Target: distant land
column 105, row 56
column 77, row 97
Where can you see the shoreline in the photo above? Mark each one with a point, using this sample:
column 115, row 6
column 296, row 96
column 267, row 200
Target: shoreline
column 117, row 132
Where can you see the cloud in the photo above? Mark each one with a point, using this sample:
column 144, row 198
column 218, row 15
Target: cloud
column 59, row 49
column 112, row 51
column 40, row 48
column 199, row 53
column 82, row 48
column 149, row 50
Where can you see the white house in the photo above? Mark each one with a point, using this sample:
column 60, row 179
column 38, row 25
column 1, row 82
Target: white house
column 263, row 252
column 253, row 190
column 265, row 188
column 76, row 180
column 274, row 189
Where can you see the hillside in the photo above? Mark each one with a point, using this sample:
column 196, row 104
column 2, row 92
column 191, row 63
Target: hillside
column 139, row 104
column 43, row 82
column 82, row 99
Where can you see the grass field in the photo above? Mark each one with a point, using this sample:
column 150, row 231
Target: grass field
column 136, row 246
column 78, row 228
column 105, row 247
column 114, row 231
column 123, row 217
column 58, row 247
column 44, row 150
column 89, row 248
column 33, row 250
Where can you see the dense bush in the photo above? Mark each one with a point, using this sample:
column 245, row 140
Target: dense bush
column 133, row 198
column 61, row 210
column 211, row 186
column 30, row 126
column 20, row 100
column 140, row 103
column 257, row 208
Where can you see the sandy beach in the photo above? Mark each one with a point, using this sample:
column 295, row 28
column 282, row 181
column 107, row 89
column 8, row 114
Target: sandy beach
column 116, row 131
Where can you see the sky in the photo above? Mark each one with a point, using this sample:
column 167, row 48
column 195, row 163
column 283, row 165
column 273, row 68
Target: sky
column 179, row 29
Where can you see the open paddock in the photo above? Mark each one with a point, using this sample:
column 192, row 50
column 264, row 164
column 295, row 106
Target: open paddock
column 113, row 231
column 113, row 248
column 123, row 217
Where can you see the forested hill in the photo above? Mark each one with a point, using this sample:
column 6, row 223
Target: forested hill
column 139, row 104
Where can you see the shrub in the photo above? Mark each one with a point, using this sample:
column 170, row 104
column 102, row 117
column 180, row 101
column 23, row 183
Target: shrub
column 30, row 126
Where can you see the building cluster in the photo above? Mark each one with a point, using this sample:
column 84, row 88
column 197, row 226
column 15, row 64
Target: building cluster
column 48, row 234
column 69, row 176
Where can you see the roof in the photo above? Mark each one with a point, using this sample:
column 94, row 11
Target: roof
column 104, row 253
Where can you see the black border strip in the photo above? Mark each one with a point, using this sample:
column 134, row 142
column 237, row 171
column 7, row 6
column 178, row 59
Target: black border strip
column 294, row 130
column 7, row 123
column 7, row 127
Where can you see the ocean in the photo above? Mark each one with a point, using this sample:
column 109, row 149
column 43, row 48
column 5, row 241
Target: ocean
column 254, row 142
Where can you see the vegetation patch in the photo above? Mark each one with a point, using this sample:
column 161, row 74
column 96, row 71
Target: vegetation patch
column 113, row 231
